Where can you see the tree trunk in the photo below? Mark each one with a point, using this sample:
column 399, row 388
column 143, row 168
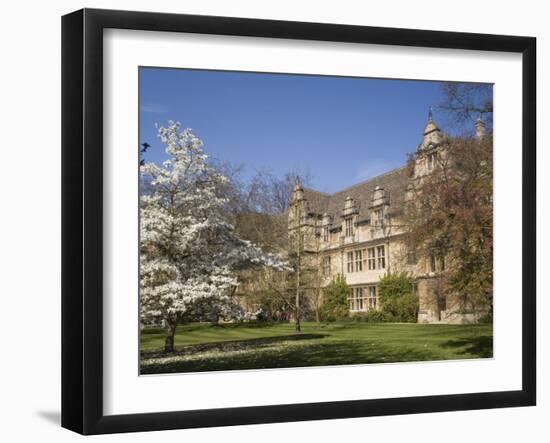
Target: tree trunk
column 298, row 329
column 299, row 246
column 169, row 341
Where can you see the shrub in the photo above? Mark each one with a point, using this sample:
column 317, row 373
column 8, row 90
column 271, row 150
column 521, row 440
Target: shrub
column 358, row 317
column 370, row 316
column 374, row 316
column 394, row 285
column 403, row 308
column 397, row 299
column 335, row 300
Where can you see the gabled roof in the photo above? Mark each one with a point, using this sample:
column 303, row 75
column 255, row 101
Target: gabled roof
column 394, row 183
column 317, row 201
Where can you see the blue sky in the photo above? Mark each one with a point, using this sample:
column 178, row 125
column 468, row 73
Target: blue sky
column 341, row 130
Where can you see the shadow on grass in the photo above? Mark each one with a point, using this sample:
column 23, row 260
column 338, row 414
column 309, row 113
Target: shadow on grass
column 481, row 346
column 190, row 327
column 288, row 356
column 233, row 345
column 250, row 325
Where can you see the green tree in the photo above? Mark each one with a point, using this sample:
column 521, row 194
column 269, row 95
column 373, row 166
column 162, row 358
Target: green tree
column 394, row 285
column 397, row 299
column 451, row 216
column 335, row 299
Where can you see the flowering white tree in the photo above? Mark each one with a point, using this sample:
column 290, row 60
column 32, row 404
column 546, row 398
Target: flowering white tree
column 189, row 252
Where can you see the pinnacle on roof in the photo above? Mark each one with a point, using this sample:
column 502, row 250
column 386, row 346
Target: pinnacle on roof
column 430, row 125
column 480, row 128
column 432, row 134
column 298, row 184
column 298, row 192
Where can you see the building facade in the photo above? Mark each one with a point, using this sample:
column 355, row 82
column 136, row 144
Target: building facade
column 359, row 232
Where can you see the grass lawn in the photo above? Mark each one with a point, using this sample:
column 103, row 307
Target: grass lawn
column 203, row 347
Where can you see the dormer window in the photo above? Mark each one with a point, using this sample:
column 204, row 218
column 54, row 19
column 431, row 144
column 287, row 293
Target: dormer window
column 378, row 217
column 349, row 227
column 325, row 223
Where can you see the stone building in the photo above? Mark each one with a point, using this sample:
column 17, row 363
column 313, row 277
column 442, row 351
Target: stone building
column 358, row 232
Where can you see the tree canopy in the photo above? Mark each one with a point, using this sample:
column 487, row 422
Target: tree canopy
column 450, row 216
column 335, row 299
column 189, row 251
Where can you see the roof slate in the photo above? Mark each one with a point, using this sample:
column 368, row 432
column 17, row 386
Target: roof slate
column 394, row 183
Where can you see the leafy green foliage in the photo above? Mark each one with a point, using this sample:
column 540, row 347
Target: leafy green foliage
column 402, row 309
column 374, row 316
column 451, row 216
column 335, row 300
column 394, row 285
column 398, row 302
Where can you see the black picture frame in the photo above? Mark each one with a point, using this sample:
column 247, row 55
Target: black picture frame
column 82, row 218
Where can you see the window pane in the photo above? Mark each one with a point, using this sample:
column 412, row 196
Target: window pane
column 371, row 260
column 358, row 261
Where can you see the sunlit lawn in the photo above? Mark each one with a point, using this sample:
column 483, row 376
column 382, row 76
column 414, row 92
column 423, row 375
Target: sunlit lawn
column 203, row 347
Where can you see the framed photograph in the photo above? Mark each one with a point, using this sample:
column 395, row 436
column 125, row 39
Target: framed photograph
column 268, row 221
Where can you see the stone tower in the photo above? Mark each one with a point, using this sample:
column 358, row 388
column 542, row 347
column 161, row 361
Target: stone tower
column 301, row 226
column 430, row 155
